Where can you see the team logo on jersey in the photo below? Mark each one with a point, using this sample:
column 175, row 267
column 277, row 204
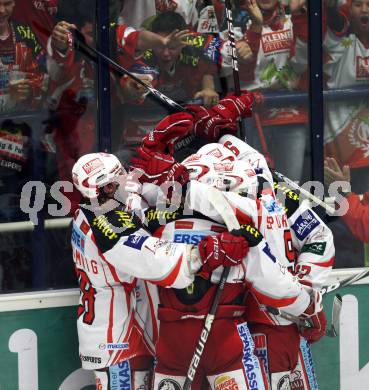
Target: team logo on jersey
column 190, row 237
column 305, row 224
column 225, row 382
column 277, row 41
column 169, row 384
column 135, row 241
column 318, row 248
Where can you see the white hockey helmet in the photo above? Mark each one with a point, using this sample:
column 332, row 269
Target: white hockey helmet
column 217, row 150
column 235, row 176
column 95, row 170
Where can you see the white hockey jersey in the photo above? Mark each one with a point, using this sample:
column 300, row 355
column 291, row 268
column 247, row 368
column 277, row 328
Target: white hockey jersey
column 110, row 250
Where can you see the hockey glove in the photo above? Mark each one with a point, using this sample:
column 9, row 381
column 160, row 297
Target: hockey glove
column 315, row 315
column 236, row 106
column 221, row 119
column 168, row 131
column 210, row 125
column 223, row 249
column 158, row 167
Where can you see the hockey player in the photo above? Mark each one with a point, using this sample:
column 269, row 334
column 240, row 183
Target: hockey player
column 181, row 311
column 212, row 170
column 309, row 237
column 315, row 257
column 304, row 245
column 111, row 249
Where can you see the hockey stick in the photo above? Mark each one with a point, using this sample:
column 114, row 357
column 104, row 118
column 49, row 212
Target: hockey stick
column 307, row 194
column 334, row 329
column 236, row 76
column 80, row 43
column 225, row 210
column 337, row 302
column 345, row 282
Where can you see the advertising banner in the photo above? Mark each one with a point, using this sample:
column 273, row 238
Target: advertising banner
column 39, row 347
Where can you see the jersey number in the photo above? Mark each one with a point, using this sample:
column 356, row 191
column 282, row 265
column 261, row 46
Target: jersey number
column 87, row 306
column 290, row 253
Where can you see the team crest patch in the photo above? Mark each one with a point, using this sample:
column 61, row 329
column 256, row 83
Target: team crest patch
column 284, row 383
column 169, row 384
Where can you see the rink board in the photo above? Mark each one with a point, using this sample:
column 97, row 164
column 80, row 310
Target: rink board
column 39, row 347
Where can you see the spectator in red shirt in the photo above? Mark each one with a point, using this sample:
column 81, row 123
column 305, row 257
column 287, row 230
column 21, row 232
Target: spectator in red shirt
column 357, row 216
column 39, row 15
column 181, row 75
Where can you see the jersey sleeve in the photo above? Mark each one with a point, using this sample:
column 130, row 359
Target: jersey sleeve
column 125, row 245
column 313, row 241
column 127, row 41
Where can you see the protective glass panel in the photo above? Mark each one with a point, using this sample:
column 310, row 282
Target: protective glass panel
column 47, row 120
column 346, row 131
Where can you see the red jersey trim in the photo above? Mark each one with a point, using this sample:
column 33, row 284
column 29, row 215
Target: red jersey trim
column 169, row 280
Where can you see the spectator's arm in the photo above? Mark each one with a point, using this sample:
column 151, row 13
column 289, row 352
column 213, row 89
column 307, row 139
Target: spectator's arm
column 256, row 16
column 208, row 93
column 357, row 216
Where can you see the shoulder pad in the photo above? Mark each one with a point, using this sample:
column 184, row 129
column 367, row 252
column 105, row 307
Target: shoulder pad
column 108, row 228
column 290, row 199
column 251, row 233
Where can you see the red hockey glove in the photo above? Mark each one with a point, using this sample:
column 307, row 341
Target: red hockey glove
column 222, row 249
column 315, row 315
column 221, row 118
column 210, row 125
column 235, row 107
column 168, row 131
column 158, row 167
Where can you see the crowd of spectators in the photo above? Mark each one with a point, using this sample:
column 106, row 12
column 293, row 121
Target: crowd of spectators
column 48, row 89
